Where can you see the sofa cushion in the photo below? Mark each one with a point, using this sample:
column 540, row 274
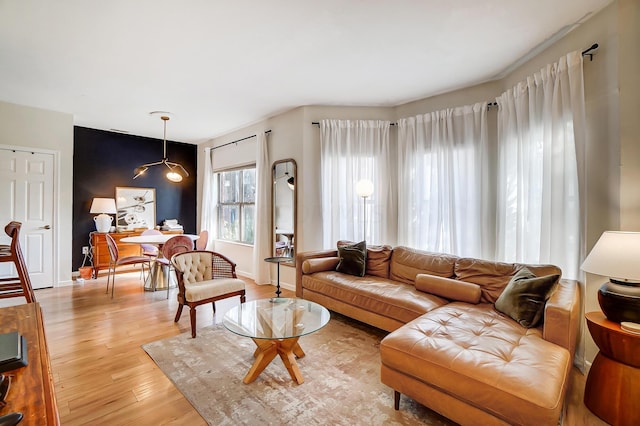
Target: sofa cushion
column 406, row 263
column 484, row 359
column 493, row 277
column 525, row 296
column 401, row 302
column 352, row 259
column 449, row 289
column 201, row 290
column 378, row 258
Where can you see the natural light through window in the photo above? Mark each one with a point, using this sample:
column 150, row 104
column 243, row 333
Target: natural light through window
column 236, row 205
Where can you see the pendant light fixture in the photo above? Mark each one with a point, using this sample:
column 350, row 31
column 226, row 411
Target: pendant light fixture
column 176, row 172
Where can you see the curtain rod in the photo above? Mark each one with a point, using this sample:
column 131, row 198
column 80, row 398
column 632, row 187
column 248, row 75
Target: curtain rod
column 239, row 140
column 585, row 52
column 317, row 123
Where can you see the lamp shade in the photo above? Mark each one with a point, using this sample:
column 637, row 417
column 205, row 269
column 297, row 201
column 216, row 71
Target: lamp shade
column 615, row 255
column 103, row 205
column 364, row 188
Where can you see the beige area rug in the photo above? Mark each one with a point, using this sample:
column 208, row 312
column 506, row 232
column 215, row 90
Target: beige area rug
column 341, row 370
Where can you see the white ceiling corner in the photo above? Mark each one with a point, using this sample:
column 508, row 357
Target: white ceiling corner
column 220, row 65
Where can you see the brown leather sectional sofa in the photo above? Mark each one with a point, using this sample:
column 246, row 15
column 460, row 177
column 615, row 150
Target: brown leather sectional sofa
column 465, row 360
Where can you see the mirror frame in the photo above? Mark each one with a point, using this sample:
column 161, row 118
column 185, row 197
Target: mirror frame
column 294, row 174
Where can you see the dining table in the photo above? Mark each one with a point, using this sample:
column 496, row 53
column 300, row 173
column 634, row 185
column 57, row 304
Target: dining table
column 156, row 279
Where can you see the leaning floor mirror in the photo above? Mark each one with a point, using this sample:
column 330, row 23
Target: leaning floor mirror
column 284, row 200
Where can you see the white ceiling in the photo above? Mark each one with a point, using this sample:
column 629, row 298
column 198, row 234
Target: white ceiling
column 221, row 65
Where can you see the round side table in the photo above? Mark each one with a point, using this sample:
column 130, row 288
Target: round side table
column 278, row 260
column 612, row 390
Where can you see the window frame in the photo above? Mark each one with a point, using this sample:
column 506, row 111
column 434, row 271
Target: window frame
column 241, row 204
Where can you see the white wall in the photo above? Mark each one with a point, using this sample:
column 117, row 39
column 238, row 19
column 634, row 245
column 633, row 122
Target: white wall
column 52, row 131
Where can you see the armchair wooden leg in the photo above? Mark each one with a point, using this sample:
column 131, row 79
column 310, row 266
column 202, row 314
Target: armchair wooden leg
column 192, row 315
column 396, row 400
column 180, row 306
column 214, row 306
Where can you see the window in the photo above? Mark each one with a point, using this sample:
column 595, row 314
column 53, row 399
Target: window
column 236, row 205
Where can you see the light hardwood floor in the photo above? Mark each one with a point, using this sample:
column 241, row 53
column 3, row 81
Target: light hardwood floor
column 102, row 375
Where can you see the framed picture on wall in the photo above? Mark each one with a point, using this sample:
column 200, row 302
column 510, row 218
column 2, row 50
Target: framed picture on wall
column 136, row 208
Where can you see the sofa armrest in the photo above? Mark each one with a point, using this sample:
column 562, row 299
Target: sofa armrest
column 561, row 315
column 311, row 266
column 301, row 257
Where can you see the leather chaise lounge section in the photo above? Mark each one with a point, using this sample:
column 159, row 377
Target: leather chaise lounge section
column 467, row 361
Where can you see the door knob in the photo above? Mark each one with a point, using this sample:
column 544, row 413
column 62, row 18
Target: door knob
column 45, row 227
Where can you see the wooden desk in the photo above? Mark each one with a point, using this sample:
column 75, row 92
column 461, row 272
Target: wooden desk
column 612, row 390
column 32, row 391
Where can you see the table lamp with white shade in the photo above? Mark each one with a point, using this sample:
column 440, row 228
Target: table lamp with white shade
column 104, row 206
column 617, row 255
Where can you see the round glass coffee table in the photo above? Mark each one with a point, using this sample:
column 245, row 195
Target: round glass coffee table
column 275, row 328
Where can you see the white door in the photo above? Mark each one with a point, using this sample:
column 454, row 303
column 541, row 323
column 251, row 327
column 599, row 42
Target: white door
column 26, row 195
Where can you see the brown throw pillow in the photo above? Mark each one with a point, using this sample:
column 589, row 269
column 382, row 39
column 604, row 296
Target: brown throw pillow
column 448, row 288
column 523, row 299
column 353, row 259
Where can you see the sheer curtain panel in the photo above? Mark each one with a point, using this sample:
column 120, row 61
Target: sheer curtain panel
column 209, row 213
column 352, row 150
column 444, row 191
column 540, row 124
column 262, row 212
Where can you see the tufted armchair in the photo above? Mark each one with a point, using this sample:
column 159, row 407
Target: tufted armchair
column 203, row 277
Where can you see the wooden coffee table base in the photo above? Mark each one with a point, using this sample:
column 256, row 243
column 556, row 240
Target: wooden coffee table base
column 288, row 349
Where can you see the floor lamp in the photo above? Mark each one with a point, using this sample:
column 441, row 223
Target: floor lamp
column 364, row 189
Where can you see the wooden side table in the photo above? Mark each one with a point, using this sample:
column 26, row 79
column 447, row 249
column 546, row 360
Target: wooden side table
column 612, row 391
column 32, row 390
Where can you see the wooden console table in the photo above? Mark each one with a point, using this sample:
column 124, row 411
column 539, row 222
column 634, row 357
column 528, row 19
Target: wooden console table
column 32, row 390
column 100, row 251
column 613, row 384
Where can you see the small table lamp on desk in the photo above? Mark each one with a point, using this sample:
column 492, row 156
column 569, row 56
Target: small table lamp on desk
column 104, row 206
column 612, row 391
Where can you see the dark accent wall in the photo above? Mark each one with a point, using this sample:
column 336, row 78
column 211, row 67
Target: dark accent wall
column 103, row 160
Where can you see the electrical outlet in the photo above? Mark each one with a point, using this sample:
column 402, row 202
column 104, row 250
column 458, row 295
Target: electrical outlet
column 85, row 250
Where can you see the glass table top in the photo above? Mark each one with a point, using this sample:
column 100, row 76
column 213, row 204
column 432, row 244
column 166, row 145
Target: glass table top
column 277, row 318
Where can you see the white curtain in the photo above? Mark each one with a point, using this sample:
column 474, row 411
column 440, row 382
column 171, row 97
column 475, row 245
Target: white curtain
column 262, row 212
column 209, row 212
column 538, row 213
column 443, row 173
column 352, row 150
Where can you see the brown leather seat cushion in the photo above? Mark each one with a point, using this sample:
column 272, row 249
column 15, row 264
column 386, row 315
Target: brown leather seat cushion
column 483, row 358
column 392, row 299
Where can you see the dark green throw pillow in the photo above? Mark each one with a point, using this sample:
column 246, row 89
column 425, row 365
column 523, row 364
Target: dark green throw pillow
column 523, row 299
column 353, row 259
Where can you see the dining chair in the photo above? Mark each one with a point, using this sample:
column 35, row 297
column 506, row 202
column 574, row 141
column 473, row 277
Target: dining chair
column 150, row 250
column 20, row 285
column 203, row 240
column 115, row 260
column 204, row 277
column 174, row 245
